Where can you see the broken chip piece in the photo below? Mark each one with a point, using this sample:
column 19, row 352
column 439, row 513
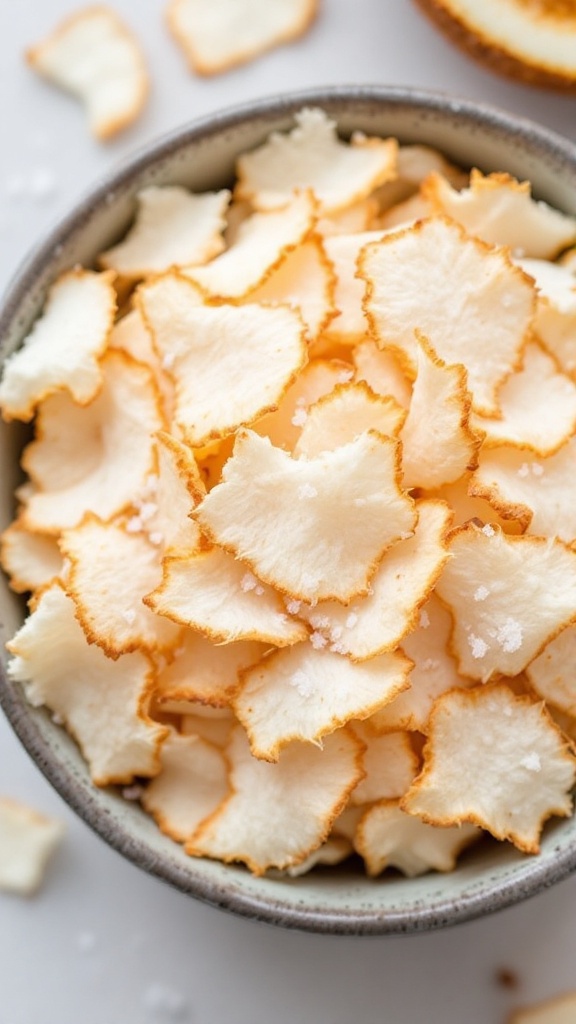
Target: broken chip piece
column 27, row 841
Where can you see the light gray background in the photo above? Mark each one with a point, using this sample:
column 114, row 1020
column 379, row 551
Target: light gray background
column 103, row 943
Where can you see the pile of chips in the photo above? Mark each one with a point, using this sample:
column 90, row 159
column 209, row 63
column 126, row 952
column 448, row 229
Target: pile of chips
column 299, row 520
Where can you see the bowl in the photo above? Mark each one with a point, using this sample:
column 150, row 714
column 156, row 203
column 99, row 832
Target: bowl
column 201, row 156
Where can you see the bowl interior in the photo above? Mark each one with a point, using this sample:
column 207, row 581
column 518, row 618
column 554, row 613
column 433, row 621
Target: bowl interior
column 202, row 156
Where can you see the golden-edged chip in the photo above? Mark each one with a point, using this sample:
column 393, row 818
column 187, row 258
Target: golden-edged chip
column 205, row 672
column 191, row 784
column 263, row 242
column 390, row 763
column 387, row 837
column 319, row 377
column 537, row 407
column 93, row 55
column 404, row 579
column 465, row 500
column 414, row 163
column 555, row 322
column 474, row 306
column 173, row 227
column 381, row 372
column 27, row 841
column 61, row 351
column 230, row 364
column 94, row 458
column 345, row 413
column 103, row 703
column 30, row 559
column 217, row 37
column 539, row 493
column 265, row 822
column 214, row 593
column 551, row 674
column 333, row 850
column 513, row 771
column 312, row 156
column 343, row 251
column 305, row 281
column 500, row 210
column 295, row 525
column 208, row 723
column 438, row 444
column 164, row 512
column 110, row 571
column 306, row 692
column 509, row 596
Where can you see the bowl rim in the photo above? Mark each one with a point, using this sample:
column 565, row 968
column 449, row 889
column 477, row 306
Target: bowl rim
column 539, row 874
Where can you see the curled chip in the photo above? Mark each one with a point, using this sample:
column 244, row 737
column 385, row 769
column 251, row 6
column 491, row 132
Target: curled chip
column 265, row 822
column 513, row 772
column 388, row 837
column 61, row 352
column 551, row 674
column 390, row 763
column 173, row 227
column 344, row 414
column 312, row 156
column 93, row 55
column 205, row 672
column 218, row 36
column 108, row 713
column 31, row 559
column 305, row 281
column 27, row 841
column 256, row 513
column 556, row 309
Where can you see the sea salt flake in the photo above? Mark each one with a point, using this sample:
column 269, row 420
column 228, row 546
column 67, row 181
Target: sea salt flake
column 532, row 762
column 259, row 590
column 481, row 593
column 133, row 792
column 351, row 620
column 344, row 376
column 424, row 619
column 537, row 469
column 293, row 606
column 510, row 636
column 248, row 582
column 129, row 616
column 507, row 300
column 307, row 491
column 320, row 621
column 309, row 581
column 156, row 538
column 147, row 510
column 478, row 646
column 488, row 530
column 302, row 683
column 299, row 418
column 57, row 718
column 430, row 664
column 165, row 1003
column 134, row 525
column 168, row 360
column 524, row 470
column 336, row 633
column 318, row 641
column 338, row 647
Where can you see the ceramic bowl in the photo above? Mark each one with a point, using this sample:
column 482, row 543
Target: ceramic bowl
column 201, row 156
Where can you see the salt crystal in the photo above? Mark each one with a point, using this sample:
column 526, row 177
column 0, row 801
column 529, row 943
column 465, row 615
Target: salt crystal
column 318, row 641
column 248, row 582
column 293, row 607
column 307, row 491
column 259, row 590
column 320, row 621
column 168, row 360
column 146, row 510
column 531, row 762
column 156, row 538
column 86, row 941
column 134, row 525
column 165, row 1003
column 338, row 647
column 351, row 620
column 524, row 469
column 152, row 482
column 57, row 718
column 281, row 619
column 344, row 376
column 481, row 593
column 519, row 253
column 510, row 636
column 133, row 792
column 309, row 581
column 302, row 683
column 424, row 619
column 507, row 300
column 478, row 646
column 129, row 616
column 299, row 418
column 336, row 632
column 537, row 469
column 488, row 530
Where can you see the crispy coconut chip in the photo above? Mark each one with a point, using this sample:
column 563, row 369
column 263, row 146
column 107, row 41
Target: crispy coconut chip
column 438, row 445
column 344, row 414
column 304, row 281
column 540, row 493
column 512, row 773
column 230, row 364
column 27, row 841
column 103, row 703
column 381, row 372
column 94, row 458
column 343, row 251
column 551, row 674
column 351, row 220
column 61, row 352
column 467, row 505
column 404, row 579
column 95, row 56
column 217, row 37
column 131, row 335
column 110, row 571
column 434, row 672
column 205, row 672
column 474, row 306
column 306, row 692
column 537, row 407
column 390, row 763
column 499, row 210
column 211, row 724
column 561, row 1010
column 173, row 227
column 556, row 310
column 318, row 378
column 389, row 838
column 406, row 213
column 333, row 851
column 265, row 822
column 192, row 783
column 30, row 559
column 414, row 164
column 165, row 511
column 312, row 156
column 295, row 525
column 212, row 592
column 263, row 242
column 509, row 596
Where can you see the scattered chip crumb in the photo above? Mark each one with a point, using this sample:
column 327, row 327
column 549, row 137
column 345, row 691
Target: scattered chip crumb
column 27, row 841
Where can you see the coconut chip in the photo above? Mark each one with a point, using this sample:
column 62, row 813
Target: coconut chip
column 381, row 372
column 318, row 378
column 95, row 56
column 27, row 841
column 62, row 349
column 30, row 559
column 551, row 674
column 390, row 763
column 345, row 413
column 511, row 774
column 205, row 672
column 304, row 281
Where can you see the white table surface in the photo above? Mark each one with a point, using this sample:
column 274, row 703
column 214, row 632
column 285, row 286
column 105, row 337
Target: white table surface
column 103, row 943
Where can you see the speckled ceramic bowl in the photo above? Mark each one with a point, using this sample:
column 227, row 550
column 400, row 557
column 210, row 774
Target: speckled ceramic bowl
column 201, row 156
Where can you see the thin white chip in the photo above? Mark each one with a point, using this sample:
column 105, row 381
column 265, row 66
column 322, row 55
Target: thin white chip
column 27, row 841
column 205, row 672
